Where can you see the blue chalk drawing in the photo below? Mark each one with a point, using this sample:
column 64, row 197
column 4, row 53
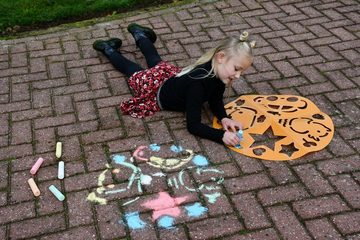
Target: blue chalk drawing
column 166, row 222
column 200, row 161
column 154, row 147
column 213, row 197
column 133, row 221
column 119, row 158
column 176, row 149
column 195, row 210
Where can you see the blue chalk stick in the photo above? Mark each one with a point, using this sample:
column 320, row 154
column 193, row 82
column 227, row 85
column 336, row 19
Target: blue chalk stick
column 61, row 170
column 57, row 193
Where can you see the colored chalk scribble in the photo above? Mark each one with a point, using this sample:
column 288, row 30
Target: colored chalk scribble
column 164, row 204
column 176, row 149
column 165, row 208
column 200, row 161
column 166, row 222
column 133, row 221
column 212, row 197
column 154, row 147
column 195, row 210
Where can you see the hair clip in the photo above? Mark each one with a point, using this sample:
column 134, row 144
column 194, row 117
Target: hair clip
column 252, row 44
column 244, row 35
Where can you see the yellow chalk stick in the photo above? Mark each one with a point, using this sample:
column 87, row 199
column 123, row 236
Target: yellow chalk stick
column 58, row 149
column 34, row 187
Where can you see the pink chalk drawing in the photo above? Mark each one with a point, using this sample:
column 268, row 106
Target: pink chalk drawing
column 165, row 205
column 165, row 208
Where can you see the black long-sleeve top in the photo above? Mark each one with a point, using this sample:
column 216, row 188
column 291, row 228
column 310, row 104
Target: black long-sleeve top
column 188, row 93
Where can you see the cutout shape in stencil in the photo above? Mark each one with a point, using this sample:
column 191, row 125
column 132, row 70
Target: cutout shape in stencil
column 267, row 138
column 297, row 125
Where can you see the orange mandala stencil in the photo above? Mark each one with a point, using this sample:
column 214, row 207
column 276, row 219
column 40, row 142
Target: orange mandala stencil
column 279, row 127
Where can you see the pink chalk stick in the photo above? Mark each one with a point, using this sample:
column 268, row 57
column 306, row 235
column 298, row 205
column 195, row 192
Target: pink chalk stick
column 36, row 166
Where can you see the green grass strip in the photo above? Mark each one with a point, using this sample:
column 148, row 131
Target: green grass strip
column 41, row 12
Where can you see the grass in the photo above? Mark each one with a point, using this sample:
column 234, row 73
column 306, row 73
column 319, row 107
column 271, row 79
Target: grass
column 23, row 15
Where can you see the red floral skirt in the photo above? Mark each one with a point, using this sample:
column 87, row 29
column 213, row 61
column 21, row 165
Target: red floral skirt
column 145, row 85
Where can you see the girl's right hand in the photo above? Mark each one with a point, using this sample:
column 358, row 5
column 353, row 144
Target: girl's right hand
column 230, row 138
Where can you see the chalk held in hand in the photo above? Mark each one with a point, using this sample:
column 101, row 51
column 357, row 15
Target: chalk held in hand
column 36, row 166
column 240, row 136
column 34, row 187
column 57, row 193
column 58, row 149
column 61, row 170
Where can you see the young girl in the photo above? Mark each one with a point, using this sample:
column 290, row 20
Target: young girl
column 165, row 87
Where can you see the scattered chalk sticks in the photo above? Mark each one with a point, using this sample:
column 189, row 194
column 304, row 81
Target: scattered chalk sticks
column 34, row 187
column 61, row 170
column 36, row 166
column 57, row 193
column 58, row 149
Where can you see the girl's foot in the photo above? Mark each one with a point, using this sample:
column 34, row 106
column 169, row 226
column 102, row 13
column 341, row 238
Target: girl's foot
column 101, row 45
column 139, row 31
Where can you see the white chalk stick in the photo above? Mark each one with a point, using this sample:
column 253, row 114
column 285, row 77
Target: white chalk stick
column 36, row 166
column 61, row 170
column 57, row 193
column 34, row 187
column 58, row 149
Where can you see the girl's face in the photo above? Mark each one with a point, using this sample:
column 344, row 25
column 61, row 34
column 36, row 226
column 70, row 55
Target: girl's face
column 231, row 68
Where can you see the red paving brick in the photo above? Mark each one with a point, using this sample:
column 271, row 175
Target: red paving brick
column 55, row 87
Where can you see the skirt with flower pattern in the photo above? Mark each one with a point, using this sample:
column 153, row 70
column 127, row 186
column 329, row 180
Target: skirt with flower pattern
column 145, row 85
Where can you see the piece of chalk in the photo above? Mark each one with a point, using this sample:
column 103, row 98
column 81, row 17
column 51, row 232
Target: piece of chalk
column 58, row 149
column 240, row 136
column 36, row 166
column 34, row 187
column 61, row 170
column 57, row 193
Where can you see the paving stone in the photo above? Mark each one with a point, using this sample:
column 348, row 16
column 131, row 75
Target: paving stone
column 348, row 188
column 200, row 230
column 251, row 211
column 322, row 229
column 320, row 206
column 247, row 183
column 3, row 174
column 79, row 209
column 109, row 221
column 281, row 194
column 17, row 212
column 79, row 233
column 287, row 223
column 269, row 234
column 339, row 165
column 348, row 222
column 313, row 180
column 37, row 226
column 21, row 133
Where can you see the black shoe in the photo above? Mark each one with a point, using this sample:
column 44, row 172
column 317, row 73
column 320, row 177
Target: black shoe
column 101, row 45
column 140, row 31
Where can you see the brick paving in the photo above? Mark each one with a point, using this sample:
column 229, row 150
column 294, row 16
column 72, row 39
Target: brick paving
column 55, row 87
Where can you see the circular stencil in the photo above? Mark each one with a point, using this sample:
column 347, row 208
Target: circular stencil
column 279, row 127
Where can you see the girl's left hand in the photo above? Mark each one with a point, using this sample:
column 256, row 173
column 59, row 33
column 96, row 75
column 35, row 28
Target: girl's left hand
column 230, row 125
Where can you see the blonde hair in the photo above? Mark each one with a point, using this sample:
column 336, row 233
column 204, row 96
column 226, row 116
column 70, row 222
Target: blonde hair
column 232, row 46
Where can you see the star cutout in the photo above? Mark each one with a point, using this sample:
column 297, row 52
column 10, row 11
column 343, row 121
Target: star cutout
column 164, row 204
column 288, row 149
column 268, row 138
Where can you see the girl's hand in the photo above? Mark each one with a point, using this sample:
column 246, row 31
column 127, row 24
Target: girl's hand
column 230, row 125
column 230, row 138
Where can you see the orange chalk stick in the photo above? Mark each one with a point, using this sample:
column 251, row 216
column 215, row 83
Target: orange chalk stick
column 34, row 187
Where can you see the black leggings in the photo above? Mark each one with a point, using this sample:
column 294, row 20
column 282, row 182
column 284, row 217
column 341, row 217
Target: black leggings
column 128, row 67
